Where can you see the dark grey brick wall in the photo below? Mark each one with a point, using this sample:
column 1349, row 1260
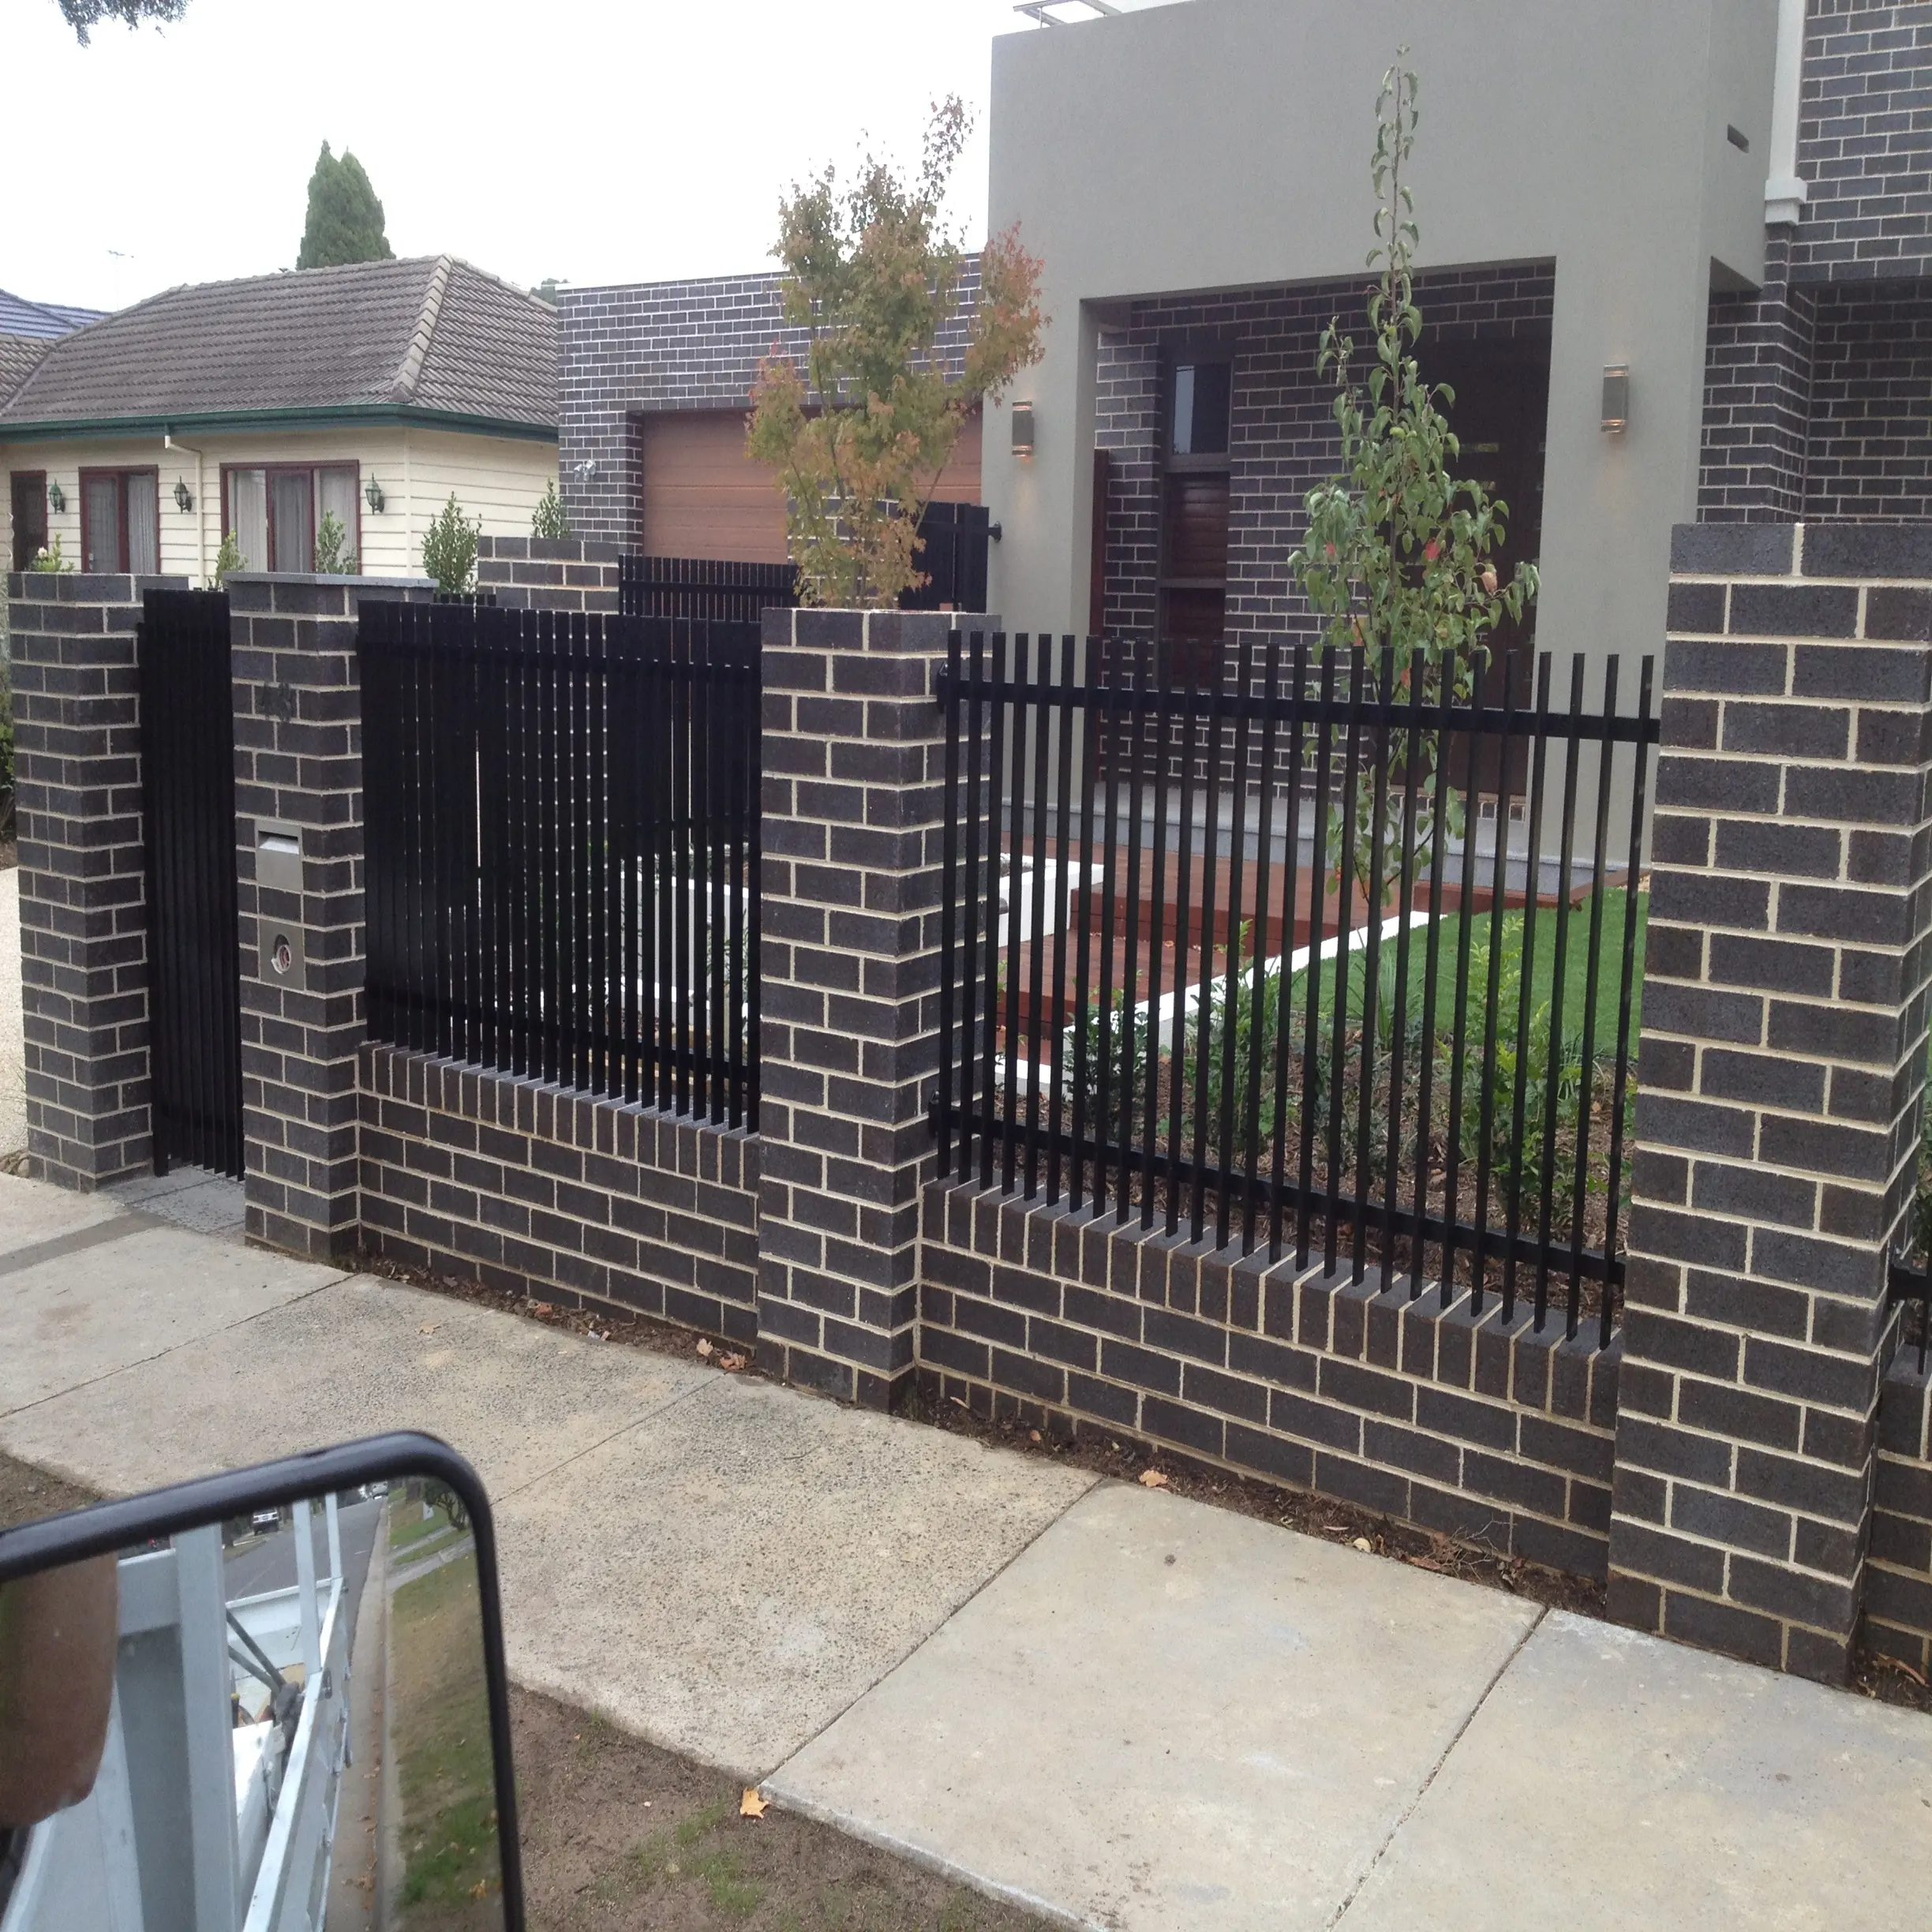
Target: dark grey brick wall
column 539, row 1191
column 1283, row 434
column 1898, row 1576
column 83, row 883
column 299, row 757
column 1497, row 1434
column 662, row 346
column 1782, row 1067
column 538, row 573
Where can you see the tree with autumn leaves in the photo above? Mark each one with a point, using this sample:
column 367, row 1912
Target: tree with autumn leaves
column 859, row 431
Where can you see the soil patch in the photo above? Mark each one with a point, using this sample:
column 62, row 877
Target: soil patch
column 27, row 1493
column 619, row 1835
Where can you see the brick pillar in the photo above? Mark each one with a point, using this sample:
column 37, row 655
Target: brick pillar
column 298, row 760
column 1758, row 354
column 1784, row 1010
column 83, row 909
column 854, row 746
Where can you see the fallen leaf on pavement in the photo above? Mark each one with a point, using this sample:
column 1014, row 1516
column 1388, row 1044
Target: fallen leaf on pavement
column 751, row 1805
column 427, row 1328
column 704, row 1347
column 732, row 1362
column 1362, row 1543
column 1152, row 1479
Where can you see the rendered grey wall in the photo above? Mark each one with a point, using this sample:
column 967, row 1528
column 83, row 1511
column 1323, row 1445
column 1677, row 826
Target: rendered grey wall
column 1225, row 144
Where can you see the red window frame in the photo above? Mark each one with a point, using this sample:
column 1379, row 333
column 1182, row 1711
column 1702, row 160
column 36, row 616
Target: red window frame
column 295, row 469
column 120, row 476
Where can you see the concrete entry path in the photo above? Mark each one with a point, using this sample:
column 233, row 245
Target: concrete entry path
column 982, row 1658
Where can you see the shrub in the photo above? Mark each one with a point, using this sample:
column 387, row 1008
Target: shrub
column 227, row 559
column 333, row 557
column 551, row 522
column 449, row 551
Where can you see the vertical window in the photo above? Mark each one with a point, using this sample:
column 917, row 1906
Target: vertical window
column 274, row 512
column 30, row 516
column 120, row 521
column 1194, row 515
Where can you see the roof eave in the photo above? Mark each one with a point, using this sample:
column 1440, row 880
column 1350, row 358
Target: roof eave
column 325, row 415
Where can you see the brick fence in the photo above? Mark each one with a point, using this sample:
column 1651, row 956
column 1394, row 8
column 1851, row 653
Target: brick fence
column 1748, row 1463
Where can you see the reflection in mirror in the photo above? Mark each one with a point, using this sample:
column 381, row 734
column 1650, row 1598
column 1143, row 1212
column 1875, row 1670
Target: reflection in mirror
column 274, row 1723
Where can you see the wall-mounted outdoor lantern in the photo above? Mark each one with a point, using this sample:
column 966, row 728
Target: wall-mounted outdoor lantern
column 184, row 497
column 1023, row 429
column 1616, row 397
column 372, row 496
column 57, row 499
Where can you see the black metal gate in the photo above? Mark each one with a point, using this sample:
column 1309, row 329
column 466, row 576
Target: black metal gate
column 193, row 941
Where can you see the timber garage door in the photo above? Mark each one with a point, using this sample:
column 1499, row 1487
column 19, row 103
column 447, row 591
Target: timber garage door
column 704, row 497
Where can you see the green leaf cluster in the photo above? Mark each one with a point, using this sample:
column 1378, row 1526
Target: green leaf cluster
column 449, row 551
column 552, row 521
column 1400, row 552
column 333, row 556
column 345, row 220
column 228, row 559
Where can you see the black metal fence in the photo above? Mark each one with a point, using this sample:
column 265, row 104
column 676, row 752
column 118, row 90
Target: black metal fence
column 563, row 848
column 188, row 802
column 1259, row 959
column 711, row 590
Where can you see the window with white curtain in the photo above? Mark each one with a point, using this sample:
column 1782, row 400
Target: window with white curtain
column 274, row 512
column 120, row 521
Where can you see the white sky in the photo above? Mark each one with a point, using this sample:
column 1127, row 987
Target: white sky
column 596, row 141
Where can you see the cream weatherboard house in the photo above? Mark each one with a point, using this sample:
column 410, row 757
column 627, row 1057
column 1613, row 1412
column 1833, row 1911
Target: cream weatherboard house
column 373, row 392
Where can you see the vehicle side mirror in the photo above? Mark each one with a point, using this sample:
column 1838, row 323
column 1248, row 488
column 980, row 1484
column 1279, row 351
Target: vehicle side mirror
column 269, row 1699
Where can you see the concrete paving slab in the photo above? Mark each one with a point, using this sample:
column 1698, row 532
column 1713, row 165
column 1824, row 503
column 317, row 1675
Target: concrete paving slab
column 32, row 1211
column 78, row 1316
column 191, row 1197
column 12, row 1043
column 1166, row 1715
column 726, row 1578
column 1612, row 1780
column 355, row 1358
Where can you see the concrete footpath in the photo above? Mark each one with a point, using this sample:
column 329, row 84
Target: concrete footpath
column 1125, row 1709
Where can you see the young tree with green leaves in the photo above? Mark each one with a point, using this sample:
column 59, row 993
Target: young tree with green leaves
column 84, row 15
column 551, row 520
column 449, row 551
column 345, row 220
column 858, row 433
column 1400, row 557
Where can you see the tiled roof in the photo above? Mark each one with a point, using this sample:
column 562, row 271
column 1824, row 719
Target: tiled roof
column 19, row 316
column 18, row 353
column 432, row 333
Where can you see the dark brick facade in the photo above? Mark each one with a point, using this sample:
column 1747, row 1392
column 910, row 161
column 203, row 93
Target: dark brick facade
column 1495, row 1435
column 539, row 573
column 1782, row 1071
column 1283, row 434
column 83, row 893
column 653, row 346
column 539, row 1191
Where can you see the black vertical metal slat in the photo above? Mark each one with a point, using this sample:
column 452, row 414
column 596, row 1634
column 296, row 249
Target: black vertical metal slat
column 1016, row 843
column 996, row 736
column 631, row 756
column 1383, row 688
column 1264, row 847
column 149, row 645
column 1441, row 795
column 1311, row 985
column 1093, row 758
column 1546, row 1167
column 1150, row 1111
column 660, row 725
column 1404, row 904
column 1291, row 868
column 374, row 834
column 754, row 795
column 1132, row 1034
column 704, row 850
column 949, row 898
column 599, row 1034
column 1230, row 1035
column 680, row 948
column 1063, row 916
column 1633, row 871
column 1344, row 914
column 976, row 902
column 1203, row 1006
column 1184, row 941
column 1499, row 895
column 1606, row 749
column 1116, row 672
column 1043, row 721
column 1532, row 881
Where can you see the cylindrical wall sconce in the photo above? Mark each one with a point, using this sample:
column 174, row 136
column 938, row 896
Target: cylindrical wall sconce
column 1615, row 397
column 1023, row 429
